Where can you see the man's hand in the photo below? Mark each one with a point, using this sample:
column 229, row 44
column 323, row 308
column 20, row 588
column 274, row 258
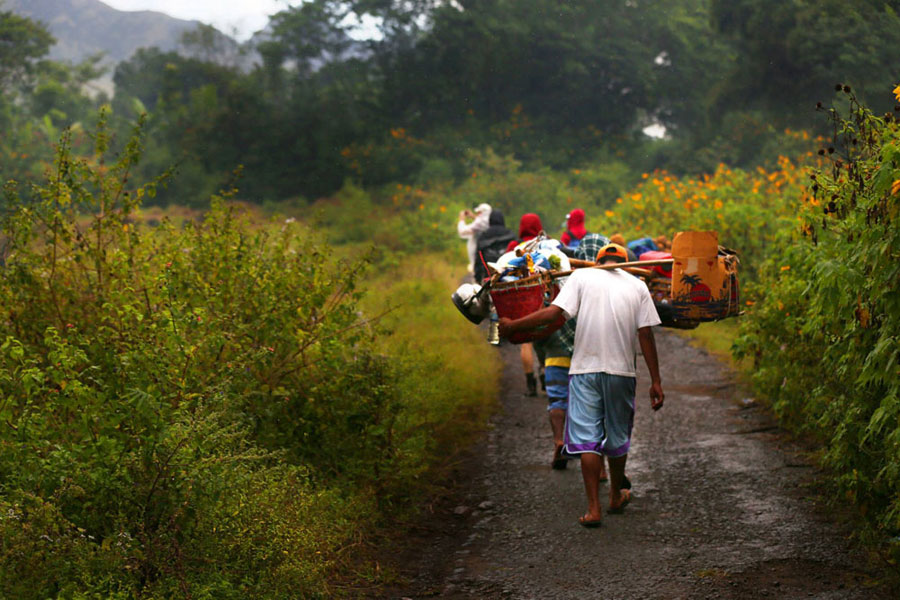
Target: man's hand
column 656, row 396
column 543, row 316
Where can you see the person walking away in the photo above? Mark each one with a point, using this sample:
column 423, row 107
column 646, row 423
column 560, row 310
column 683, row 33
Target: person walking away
column 491, row 243
column 611, row 305
column 590, row 246
column 618, row 238
column 469, row 230
column 555, row 355
column 575, row 230
column 530, row 227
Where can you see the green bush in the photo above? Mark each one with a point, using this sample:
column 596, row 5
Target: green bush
column 825, row 335
column 187, row 412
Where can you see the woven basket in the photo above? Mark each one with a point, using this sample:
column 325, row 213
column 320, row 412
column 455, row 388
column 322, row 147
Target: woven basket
column 516, row 299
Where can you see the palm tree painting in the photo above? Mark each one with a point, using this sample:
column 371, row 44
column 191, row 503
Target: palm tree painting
column 699, row 291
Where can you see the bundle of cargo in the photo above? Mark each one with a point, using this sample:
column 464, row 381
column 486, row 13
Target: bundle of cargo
column 702, row 284
column 696, row 283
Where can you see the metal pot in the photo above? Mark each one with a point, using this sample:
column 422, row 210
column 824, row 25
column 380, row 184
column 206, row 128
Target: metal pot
column 472, row 301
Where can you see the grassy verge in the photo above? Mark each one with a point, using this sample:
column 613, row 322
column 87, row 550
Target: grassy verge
column 717, row 338
column 452, row 373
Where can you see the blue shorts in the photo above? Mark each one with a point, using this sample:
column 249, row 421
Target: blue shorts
column 600, row 415
column 556, row 379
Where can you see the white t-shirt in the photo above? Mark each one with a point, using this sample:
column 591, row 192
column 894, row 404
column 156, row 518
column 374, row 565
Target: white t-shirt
column 611, row 306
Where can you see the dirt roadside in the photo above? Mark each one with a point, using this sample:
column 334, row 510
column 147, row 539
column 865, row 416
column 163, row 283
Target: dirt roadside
column 724, row 507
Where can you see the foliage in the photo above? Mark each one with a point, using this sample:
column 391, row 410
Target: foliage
column 22, row 43
column 824, row 335
column 37, row 97
column 788, row 52
column 550, row 85
column 749, row 209
column 197, row 412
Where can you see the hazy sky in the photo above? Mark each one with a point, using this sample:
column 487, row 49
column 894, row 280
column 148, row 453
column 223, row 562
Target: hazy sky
column 241, row 17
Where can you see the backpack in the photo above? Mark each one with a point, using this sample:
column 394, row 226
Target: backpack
column 491, row 250
column 574, row 242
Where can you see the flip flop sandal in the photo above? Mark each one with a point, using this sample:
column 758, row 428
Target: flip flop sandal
column 589, row 523
column 626, row 498
column 560, row 461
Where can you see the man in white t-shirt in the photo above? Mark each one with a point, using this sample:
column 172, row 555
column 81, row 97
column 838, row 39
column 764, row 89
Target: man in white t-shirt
column 614, row 310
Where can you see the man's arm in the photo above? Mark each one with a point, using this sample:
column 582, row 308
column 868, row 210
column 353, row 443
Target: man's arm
column 648, row 349
column 546, row 315
column 463, row 228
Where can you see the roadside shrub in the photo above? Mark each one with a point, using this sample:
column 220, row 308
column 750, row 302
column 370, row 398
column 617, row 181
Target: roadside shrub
column 747, row 208
column 187, row 412
column 824, row 333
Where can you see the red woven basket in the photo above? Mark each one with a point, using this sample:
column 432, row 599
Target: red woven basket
column 516, row 299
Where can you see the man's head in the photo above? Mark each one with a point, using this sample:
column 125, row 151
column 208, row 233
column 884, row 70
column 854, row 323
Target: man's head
column 612, row 253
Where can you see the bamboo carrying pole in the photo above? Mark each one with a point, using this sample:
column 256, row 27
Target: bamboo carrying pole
column 633, row 267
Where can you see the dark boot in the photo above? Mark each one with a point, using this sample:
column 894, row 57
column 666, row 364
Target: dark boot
column 532, row 384
column 543, row 382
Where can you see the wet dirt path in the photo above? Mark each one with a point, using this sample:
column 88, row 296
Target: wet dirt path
column 723, row 506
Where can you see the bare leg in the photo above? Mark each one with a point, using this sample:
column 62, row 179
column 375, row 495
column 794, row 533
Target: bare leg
column 557, row 423
column 527, row 354
column 591, row 466
column 617, row 474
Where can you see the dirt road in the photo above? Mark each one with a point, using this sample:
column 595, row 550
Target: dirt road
column 724, row 507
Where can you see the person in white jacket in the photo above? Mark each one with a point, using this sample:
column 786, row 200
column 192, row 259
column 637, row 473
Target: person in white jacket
column 469, row 230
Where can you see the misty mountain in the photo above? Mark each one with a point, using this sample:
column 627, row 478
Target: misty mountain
column 85, row 27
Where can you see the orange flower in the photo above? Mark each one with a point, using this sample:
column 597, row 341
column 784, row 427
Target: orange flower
column 610, row 213
column 897, row 93
column 786, row 268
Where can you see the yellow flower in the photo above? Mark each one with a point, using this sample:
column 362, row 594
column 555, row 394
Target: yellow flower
column 610, row 213
column 895, row 187
column 897, row 93
column 786, row 268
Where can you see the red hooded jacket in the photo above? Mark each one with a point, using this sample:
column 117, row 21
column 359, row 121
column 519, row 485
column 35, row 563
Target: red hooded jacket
column 529, row 227
column 574, row 227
